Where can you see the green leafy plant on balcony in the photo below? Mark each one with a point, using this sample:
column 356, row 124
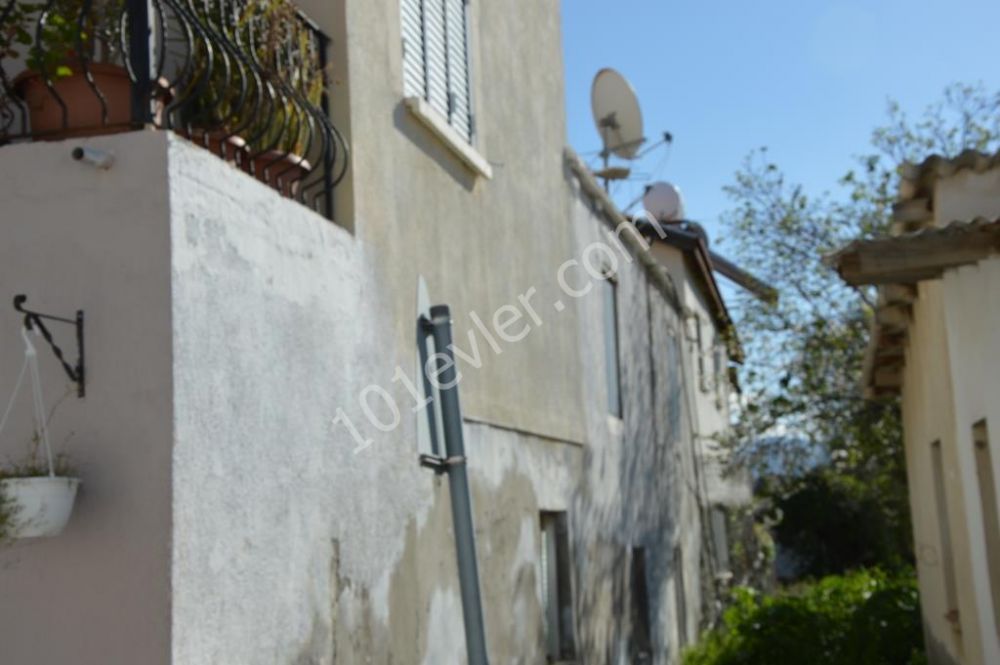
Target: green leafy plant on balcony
column 72, row 82
column 262, row 104
column 65, row 28
column 284, row 48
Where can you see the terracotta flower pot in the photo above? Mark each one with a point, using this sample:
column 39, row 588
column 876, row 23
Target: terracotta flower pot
column 83, row 108
column 283, row 171
column 229, row 147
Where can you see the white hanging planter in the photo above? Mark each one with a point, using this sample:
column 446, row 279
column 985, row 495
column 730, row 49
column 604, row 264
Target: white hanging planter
column 34, row 503
column 39, row 507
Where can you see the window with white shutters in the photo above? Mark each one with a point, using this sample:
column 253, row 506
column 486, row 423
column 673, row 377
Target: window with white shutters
column 435, row 58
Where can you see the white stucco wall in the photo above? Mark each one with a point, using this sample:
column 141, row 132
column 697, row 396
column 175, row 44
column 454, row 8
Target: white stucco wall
column 967, row 195
column 950, row 383
column 972, row 312
column 928, row 417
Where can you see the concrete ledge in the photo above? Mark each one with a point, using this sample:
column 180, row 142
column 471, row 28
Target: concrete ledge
column 437, row 124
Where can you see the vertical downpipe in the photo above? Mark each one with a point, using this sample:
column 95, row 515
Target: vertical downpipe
column 138, row 44
column 458, row 483
column 329, row 151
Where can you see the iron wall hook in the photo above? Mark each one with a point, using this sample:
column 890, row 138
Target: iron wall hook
column 33, row 320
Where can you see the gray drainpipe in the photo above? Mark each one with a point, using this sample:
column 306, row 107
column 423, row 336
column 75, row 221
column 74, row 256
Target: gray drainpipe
column 439, row 327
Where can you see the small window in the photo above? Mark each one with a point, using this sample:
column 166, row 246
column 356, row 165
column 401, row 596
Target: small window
column 944, row 536
column 641, row 643
column 719, row 370
column 436, row 60
column 609, row 294
column 704, row 381
column 720, row 537
column 556, row 583
column 991, row 520
column 680, row 596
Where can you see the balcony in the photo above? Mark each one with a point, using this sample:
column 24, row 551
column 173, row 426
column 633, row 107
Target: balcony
column 245, row 79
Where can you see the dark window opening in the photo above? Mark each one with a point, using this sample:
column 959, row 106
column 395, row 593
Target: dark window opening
column 609, row 292
column 991, row 519
column 642, row 642
column 557, row 591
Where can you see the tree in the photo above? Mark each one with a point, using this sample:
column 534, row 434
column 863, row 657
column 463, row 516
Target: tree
column 802, row 377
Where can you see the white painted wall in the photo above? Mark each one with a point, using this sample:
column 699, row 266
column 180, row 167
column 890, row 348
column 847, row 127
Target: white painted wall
column 950, row 382
column 929, row 416
column 75, row 237
column 972, row 313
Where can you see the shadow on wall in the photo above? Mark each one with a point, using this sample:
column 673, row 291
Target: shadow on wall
column 644, row 513
column 424, row 139
column 607, row 599
column 937, row 652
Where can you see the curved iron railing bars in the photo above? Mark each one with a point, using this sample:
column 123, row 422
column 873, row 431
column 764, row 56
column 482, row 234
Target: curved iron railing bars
column 243, row 78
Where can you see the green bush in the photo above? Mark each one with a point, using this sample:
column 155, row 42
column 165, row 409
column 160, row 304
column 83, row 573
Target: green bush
column 867, row 617
column 834, row 522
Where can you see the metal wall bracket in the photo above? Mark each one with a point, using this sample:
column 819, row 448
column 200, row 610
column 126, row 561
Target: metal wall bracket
column 440, row 465
column 33, row 320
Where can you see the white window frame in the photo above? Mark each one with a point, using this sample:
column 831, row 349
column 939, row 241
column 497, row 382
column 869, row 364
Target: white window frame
column 556, row 581
column 612, row 346
column 434, row 57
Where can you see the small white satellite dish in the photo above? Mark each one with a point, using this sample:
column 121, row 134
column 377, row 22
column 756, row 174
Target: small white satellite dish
column 617, row 114
column 664, row 202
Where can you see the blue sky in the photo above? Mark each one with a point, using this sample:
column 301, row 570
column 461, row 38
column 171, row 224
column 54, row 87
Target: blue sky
column 809, row 79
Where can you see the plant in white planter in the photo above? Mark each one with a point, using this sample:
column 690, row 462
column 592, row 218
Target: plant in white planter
column 35, row 501
column 36, row 496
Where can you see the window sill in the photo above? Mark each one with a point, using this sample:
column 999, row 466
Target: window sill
column 437, row 124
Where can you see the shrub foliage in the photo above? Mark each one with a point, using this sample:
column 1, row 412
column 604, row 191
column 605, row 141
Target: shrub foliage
column 867, row 617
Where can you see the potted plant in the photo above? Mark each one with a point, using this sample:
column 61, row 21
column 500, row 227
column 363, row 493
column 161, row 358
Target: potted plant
column 280, row 160
column 207, row 118
column 37, row 495
column 213, row 91
column 285, row 51
column 49, row 38
column 36, row 500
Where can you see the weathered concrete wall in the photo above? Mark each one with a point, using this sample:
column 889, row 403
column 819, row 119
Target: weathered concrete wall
column 289, row 547
column 75, row 237
column 640, row 486
column 478, row 242
column 279, row 540
column 312, row 550
column 229, row 326
column 711, row 393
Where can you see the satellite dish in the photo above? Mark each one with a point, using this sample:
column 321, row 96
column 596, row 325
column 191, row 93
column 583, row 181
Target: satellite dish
column 664, row 202
column 617, row 114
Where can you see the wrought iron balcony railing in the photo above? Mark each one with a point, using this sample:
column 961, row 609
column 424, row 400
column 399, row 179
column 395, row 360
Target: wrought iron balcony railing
column 246, row 79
